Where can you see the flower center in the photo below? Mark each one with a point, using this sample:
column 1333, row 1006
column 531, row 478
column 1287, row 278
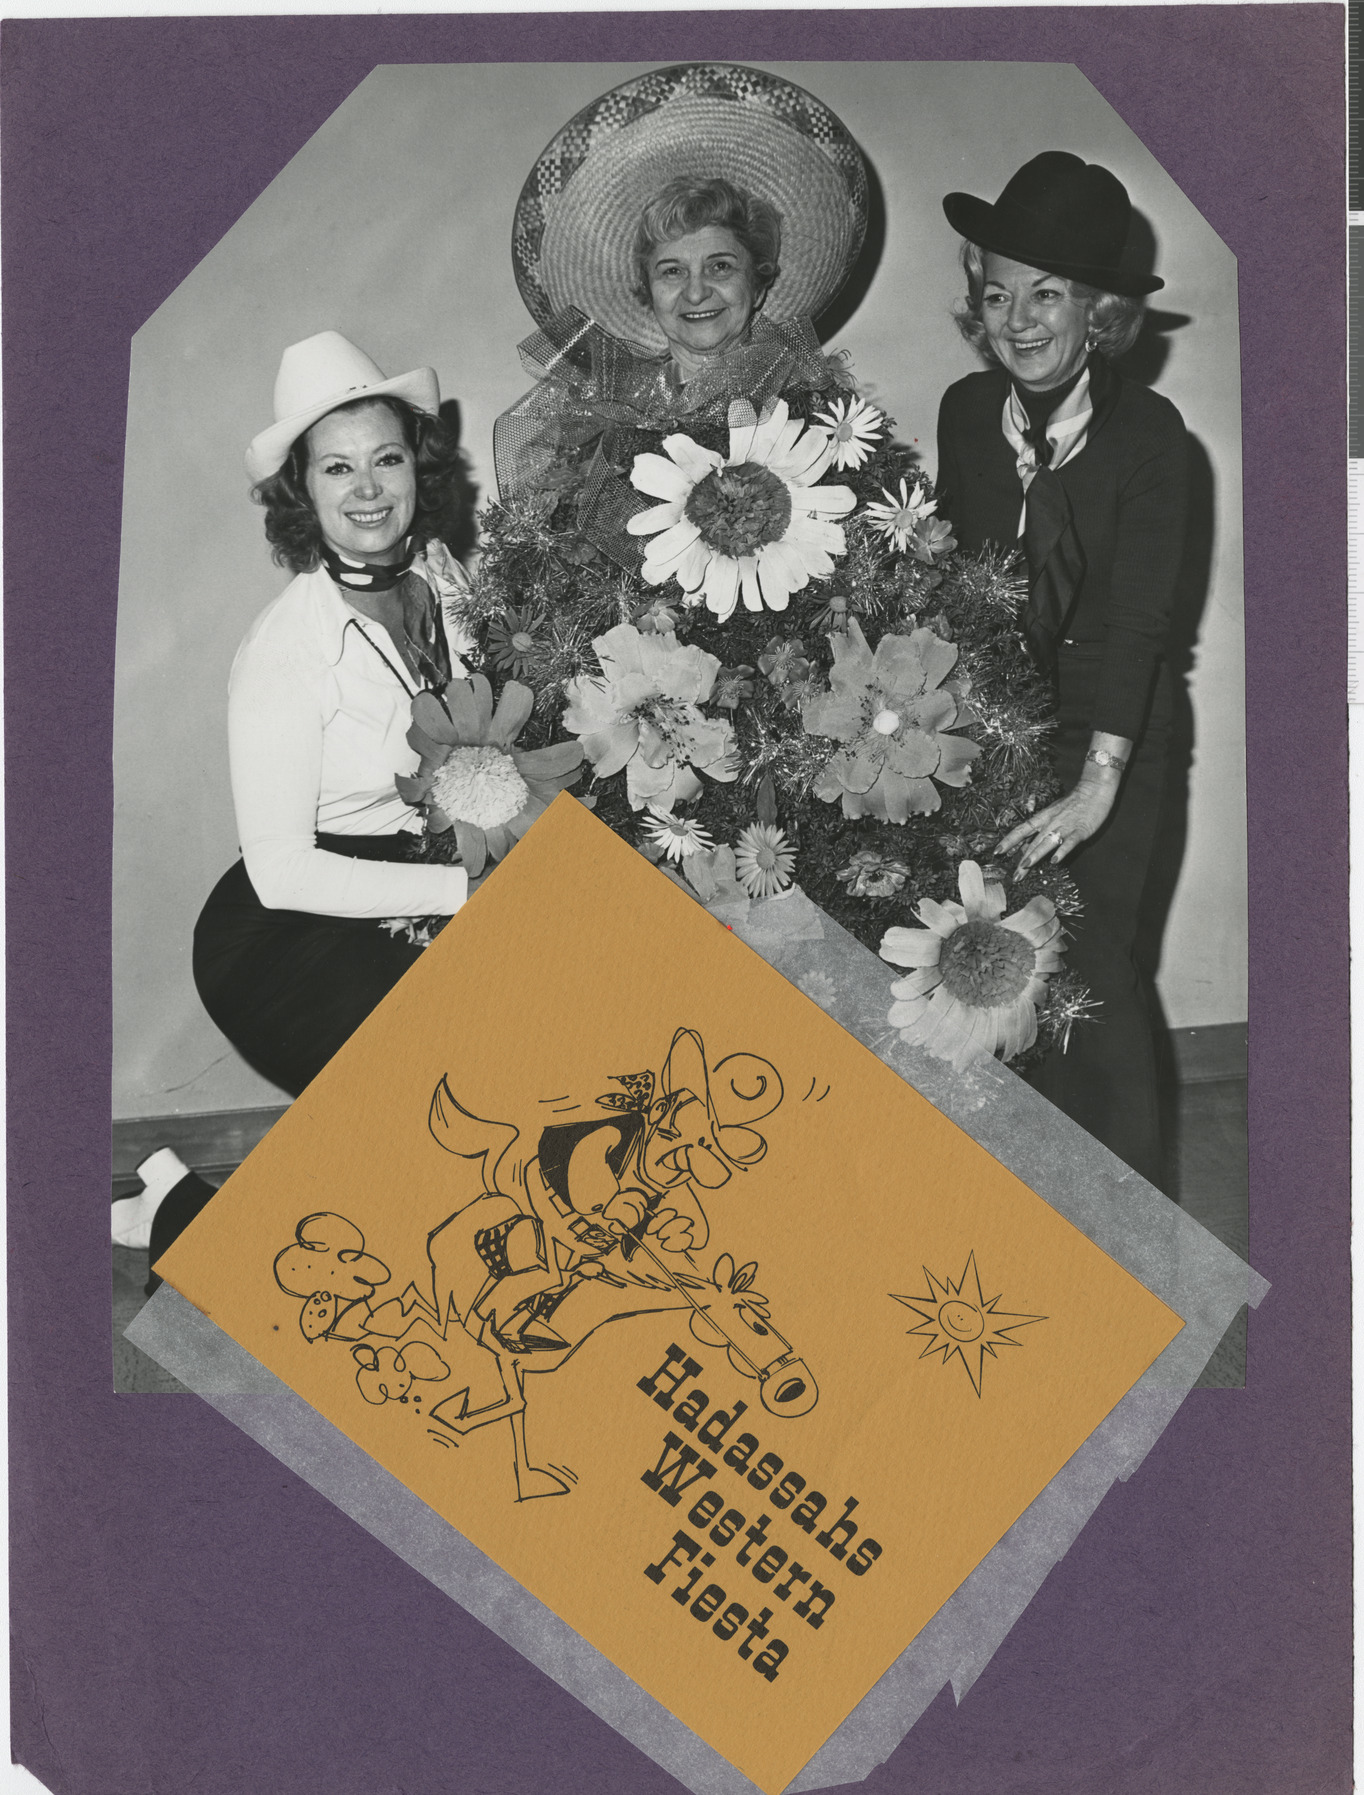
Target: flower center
column 984, row 965
column 480, row 786
column 738, row 509
column 844, row 432
column 765, row 856
column 523, row 642
column 886, row 722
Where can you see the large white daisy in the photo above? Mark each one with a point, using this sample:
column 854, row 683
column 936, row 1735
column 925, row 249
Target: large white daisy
column 976, row 974
column 853, row 427
column 754, row 524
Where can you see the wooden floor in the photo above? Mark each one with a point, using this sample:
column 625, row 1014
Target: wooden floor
column 1209, row 1176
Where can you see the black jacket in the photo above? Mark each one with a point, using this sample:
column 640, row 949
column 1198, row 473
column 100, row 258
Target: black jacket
column 1128, row 490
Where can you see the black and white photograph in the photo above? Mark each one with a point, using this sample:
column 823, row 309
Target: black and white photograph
column 847, row 454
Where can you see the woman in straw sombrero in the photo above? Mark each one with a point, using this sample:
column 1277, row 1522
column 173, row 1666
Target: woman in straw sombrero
column 675, row 243
column 1088, row 473
column 764, row 692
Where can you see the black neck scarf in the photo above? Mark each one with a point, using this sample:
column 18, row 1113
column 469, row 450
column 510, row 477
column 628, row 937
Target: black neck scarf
column 364, row 576
column 1051, row 546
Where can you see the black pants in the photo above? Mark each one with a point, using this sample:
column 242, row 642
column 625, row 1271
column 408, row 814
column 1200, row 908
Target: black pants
column 1107, row 1080
column 287, row 989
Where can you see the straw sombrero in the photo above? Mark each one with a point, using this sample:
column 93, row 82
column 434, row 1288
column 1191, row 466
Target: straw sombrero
column 578, row 211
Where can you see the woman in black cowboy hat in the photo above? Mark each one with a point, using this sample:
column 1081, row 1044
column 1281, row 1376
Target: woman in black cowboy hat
column 1050, row 449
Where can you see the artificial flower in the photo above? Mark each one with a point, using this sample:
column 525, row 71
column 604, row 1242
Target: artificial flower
column 897, row 518
column 580, row 550
column 417, row 931
column 710, row 878
column 513, row 639
column 763, row 860
column 787, row 668
column 853, row 428
column 869, row 874
column 932, row 540
column 893, row 713
column 755, row 523
column 643, row 714
column 820, row 989
column 832, row 616
column 450, row 585
column 656, row 619
column 677, row 836
column 472, row 778
column 977, row 974
column 784, row 661
column 732, row 686
column 442, row 573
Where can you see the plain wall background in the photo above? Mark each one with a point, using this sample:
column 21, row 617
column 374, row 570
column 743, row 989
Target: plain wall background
column 393, row 225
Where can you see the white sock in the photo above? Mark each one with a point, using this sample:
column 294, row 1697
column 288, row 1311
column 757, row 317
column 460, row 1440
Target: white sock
column 132, row 1217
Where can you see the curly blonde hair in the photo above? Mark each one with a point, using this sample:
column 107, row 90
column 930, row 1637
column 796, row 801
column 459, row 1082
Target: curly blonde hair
column 691, row 204
column 1115, row 321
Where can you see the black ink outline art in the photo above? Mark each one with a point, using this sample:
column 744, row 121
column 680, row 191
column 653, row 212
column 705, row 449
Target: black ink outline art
column 971, row 1329
column 601, row 1222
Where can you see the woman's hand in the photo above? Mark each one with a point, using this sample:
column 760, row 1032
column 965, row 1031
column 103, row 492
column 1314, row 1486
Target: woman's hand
column 1061, row 827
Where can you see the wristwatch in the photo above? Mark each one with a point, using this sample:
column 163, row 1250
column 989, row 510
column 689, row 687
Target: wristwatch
column 1102, row 758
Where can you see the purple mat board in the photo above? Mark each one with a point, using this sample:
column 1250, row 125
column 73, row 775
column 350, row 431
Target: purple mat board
column 187, row 1614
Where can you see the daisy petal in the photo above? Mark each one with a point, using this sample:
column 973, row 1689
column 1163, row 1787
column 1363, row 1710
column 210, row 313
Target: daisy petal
column 943, row 919
column 668, row 548
column 829, row 501
column 752, row 589
column 661, row 478
column 466, row 718
column 690, row 571
column 722, row 585
column 431, row 717
column 512, row 714
column 553, row 762
column 909, row 1011
column 912, row 947
column 657, row 517
column 473, row 847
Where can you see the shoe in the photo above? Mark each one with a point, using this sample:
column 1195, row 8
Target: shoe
column 160, row 1172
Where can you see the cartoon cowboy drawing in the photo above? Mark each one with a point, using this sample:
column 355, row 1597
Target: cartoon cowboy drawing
column 550, row 1248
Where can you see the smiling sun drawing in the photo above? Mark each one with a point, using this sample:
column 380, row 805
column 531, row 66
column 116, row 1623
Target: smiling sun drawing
column 957, row 1319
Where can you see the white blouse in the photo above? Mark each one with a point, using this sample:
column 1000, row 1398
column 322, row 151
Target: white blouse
column 317, row 728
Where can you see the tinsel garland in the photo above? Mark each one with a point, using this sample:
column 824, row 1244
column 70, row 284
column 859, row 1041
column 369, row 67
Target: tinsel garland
column 543, row 590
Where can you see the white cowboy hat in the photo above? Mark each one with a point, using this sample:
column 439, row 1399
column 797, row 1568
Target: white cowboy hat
column 316, row 376
column 575, row 220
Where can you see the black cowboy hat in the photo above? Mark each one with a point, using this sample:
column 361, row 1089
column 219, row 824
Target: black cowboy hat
column 1059, row 214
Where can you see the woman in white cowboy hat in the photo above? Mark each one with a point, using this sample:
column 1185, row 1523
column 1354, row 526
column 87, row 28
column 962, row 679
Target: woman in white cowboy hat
column 360, row 481
column 1052, row 450
column 674, row 242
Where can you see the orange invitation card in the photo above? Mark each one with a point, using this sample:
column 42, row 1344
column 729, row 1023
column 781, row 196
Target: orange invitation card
column 669, row 1295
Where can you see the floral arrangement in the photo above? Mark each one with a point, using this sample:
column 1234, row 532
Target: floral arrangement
column 796, row 676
